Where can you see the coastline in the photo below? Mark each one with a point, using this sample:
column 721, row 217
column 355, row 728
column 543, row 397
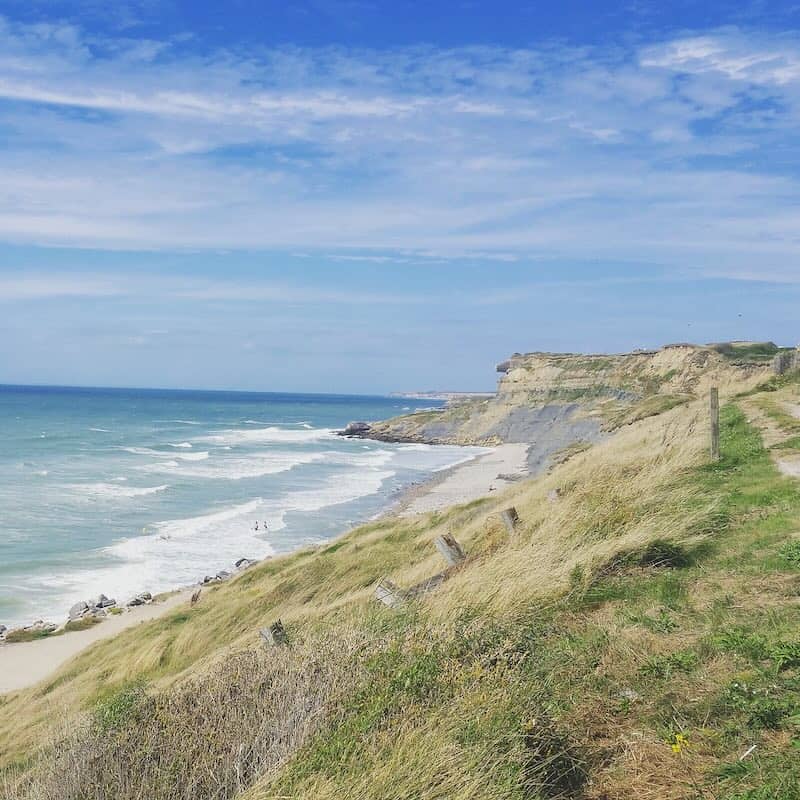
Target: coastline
column 24, row 664
column 466, row 481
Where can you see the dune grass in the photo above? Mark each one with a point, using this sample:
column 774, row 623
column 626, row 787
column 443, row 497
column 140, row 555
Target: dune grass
column 636, row 637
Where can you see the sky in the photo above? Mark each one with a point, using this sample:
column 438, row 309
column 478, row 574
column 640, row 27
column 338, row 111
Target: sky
column 364, row 196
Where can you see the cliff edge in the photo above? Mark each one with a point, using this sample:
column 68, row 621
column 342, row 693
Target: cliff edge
column 558, row 401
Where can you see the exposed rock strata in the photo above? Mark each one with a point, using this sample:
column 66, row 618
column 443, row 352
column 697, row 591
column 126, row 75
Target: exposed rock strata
column 556, row 401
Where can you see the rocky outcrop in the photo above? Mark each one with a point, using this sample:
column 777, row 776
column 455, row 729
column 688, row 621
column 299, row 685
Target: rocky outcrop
column 356, row 429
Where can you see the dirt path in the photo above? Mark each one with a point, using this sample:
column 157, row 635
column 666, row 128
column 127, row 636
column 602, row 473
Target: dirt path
column 772, row 435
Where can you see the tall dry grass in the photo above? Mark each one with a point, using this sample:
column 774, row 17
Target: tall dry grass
column 221, row 714
column 212, row 737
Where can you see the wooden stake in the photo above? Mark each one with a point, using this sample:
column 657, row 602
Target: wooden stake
column 428, row 585
column 510, row 519
column 275, row 635
column 714, row 407
column 388, row 593
column 451, row 550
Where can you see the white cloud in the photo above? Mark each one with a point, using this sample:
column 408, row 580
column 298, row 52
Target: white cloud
column 14, row 288
column 484, row 152
column 738, row 57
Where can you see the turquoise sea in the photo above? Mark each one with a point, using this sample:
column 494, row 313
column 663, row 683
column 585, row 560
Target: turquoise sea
column 127, row 490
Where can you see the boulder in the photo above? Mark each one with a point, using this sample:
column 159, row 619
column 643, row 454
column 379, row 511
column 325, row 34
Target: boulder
column 207, row 579
column 356, row 429
column 103, row 602
column 141, row 599
column 3, row 630
column 244, row 563
column 78, row 610
column 223, row 575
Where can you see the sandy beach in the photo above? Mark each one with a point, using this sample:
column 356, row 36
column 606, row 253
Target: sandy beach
column 25, row 664
column 469, row 481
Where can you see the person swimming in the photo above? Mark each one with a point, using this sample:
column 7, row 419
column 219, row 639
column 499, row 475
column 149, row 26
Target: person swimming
column 256, row 528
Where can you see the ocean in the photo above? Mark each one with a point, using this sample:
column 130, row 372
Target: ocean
column 127, row 490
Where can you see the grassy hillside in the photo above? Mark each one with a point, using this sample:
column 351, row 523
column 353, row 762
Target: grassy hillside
column 638, row 638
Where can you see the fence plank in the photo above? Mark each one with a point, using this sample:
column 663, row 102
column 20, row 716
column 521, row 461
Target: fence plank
column 510, row 520
column 389, row 593
column 451, row 550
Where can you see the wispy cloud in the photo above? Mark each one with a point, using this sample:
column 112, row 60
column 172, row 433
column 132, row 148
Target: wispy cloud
column 18, row 285
column 657, row 153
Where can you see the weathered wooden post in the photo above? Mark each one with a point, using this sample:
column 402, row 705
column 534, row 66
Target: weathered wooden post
column 714, row 406
column 510, row 519
column 389, row 593
column 275, row 635
column 451, row 550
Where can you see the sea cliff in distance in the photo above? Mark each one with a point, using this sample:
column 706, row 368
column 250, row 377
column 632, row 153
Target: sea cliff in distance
column 619, row 621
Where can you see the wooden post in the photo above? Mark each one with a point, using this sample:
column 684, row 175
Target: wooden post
column 510, row 519
column 428, row 585
column 714, row 406
column 275, row 634
column 388, row 593
column 451, row 550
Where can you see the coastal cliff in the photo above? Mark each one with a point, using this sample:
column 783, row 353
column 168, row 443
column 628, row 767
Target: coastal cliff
column 632, row 632
column 555, row 401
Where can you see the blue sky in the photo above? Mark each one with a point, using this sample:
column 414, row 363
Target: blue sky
column 344, row 195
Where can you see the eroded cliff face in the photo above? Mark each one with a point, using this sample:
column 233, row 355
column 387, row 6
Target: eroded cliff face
column 674, row 369
column 557, row 401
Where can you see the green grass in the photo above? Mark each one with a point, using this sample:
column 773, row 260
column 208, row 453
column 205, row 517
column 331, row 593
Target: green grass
column 82, row 624
column 21, row 635
column 665, row 591
column 674, row 655
column 750, row 352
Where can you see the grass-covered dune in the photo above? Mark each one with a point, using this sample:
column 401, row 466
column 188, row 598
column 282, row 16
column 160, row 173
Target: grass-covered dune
column 638, row 638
